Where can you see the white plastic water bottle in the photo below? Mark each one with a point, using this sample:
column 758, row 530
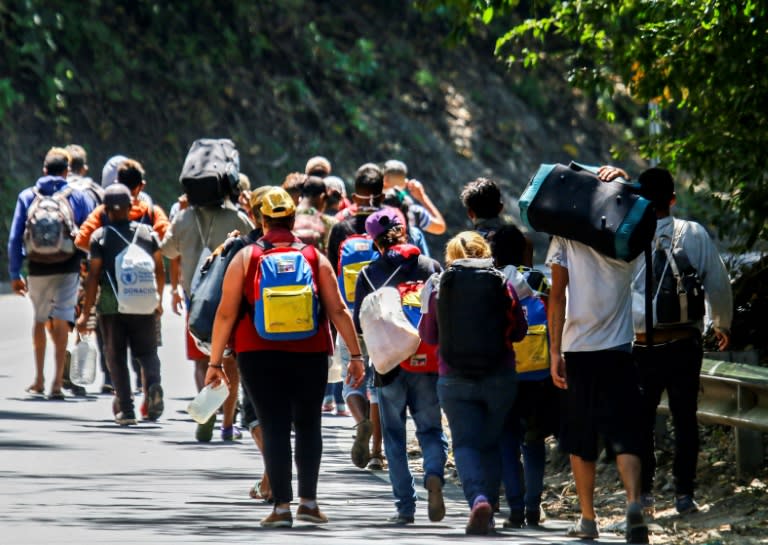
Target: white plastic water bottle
column 207, row 402
column 82, row 368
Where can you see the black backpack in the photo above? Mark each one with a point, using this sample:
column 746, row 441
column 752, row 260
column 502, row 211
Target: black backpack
column 679, row 293
column 472, row 307
column 211, row 172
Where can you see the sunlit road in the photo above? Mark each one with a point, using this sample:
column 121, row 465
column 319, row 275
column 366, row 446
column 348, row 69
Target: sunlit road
column 69, row 474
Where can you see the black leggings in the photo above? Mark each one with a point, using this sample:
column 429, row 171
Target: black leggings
column 287, row 387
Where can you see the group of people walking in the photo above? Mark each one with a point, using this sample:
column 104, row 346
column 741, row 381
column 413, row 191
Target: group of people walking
column 509, row 356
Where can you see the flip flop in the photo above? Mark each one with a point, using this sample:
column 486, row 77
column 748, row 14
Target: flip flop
column 257, row 493
column 34, row 392
column 56, row 396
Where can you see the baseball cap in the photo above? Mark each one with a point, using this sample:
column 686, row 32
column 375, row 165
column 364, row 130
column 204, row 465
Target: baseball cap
column 117, row 196
column 382, row 221
column 258, row 194
column 657, row 185
column 393, row 166
column 277, row 203
column 318, row 166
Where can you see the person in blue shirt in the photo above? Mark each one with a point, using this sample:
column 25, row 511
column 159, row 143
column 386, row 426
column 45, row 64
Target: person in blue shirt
column 51, row 286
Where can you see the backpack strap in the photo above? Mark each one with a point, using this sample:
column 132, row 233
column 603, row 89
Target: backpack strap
column 678, row 230
column 387, row 281
column 648, row 298
column 205, row 239
column 264, row 244
column 671, row 263
column 127, row 242
column 109, row 277
column 64, row 193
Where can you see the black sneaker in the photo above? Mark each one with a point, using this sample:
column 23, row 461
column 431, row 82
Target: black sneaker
column 78, row 391
column 155, row 405
column 515, row 519
column 400, row 520
column 685, row 505
column 533, row 517
column 125, row 418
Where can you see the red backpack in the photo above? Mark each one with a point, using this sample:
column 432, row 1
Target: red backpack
column 425, row 358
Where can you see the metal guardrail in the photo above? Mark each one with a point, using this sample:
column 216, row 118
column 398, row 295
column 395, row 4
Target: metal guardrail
column 736, row 395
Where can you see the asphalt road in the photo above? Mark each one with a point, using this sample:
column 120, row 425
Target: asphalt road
column 68, row 474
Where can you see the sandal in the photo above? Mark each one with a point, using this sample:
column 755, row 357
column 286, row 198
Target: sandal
column 34, row 391
column 56, row 396
column 259, row 492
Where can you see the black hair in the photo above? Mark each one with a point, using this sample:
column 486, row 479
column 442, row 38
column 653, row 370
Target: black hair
column 657, row 185
column 508, row 245
column 369, row 180
column 482, row 196
column 395, row 200
column 396, row 234
column 130, row 174
column 313, row 186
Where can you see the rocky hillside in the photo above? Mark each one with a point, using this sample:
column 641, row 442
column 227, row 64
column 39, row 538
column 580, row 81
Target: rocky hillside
column 358, row 82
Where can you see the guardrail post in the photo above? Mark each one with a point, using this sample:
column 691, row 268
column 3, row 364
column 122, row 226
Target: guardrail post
column 749, row 443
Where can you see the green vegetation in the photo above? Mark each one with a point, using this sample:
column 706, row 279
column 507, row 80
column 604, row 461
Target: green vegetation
column 702, row 63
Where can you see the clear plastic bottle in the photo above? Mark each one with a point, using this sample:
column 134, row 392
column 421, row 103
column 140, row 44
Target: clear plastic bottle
column 82, row 368
column 207, row 402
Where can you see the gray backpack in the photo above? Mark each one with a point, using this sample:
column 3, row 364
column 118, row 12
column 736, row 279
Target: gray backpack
column 87, row 186
column 49, row 233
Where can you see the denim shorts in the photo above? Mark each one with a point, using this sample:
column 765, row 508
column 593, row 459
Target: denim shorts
column 366, row 389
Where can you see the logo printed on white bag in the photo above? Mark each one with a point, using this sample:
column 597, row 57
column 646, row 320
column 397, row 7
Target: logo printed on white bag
column 136, row 289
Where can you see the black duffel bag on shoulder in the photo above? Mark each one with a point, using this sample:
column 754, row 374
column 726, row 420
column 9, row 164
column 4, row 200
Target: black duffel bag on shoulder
column 211, row 171
column 572, row 202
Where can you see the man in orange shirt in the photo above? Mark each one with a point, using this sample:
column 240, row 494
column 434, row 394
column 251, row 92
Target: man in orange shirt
column 141, row 211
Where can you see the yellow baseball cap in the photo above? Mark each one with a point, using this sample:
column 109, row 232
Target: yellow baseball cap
column 277, row 203
column 258, row 194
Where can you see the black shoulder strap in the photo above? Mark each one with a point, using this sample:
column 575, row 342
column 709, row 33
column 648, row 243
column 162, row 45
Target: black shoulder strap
column 648, row 295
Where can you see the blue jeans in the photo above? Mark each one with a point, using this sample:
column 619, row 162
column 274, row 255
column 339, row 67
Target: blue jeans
column 523, row 495
column 529, row 422
column 476, row 410
column 333, row 393
column 417, row 392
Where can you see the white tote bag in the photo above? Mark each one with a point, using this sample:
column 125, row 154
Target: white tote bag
column 389, row 335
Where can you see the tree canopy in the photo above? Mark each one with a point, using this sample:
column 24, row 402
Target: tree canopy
column 700, row 64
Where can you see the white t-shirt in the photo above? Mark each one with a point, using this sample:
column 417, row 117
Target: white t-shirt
column 598, row 313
